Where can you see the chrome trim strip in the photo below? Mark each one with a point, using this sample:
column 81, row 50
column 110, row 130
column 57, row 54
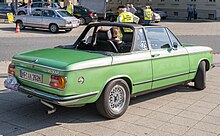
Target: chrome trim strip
column 54, row 98
column 145, row 82
column 182, row 74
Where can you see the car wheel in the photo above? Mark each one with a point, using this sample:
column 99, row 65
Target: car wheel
column 21, row 13
column 20, row 23
column 54, row 28
column 68, row 30
column 114, row 99
column 200, row 79
column 82, row 21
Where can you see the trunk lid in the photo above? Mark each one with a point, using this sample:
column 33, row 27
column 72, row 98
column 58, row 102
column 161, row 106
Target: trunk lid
column 56, row 57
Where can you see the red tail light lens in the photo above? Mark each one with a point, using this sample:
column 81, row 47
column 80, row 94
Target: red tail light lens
column 58, row 81
column 11, row 69
column 91, row 14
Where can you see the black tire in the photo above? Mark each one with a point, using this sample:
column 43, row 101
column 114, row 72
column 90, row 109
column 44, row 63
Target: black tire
column 68, row 30
column 82, row 21
column 21, row 13
column 114, row 99
column 200, row 78
column 20, row 23
column 53, row 28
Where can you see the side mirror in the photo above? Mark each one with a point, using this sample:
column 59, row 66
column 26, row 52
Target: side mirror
column 175, row 46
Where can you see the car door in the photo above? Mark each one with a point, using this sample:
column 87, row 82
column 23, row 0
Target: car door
column 170, row 65
column 137, row 63
column 35, row 18
column 49, row 16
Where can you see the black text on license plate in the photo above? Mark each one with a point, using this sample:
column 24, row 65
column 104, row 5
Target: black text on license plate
column 31, row 76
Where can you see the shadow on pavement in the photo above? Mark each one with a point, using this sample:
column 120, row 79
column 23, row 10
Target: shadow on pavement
column 21, row 115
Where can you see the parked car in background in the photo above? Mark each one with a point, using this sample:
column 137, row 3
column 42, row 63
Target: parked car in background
column 84, row 14
column 40, row 4
column 4, row 9
column 140, row 13
column 162, row 13
column 53, row 19
column 95, row 69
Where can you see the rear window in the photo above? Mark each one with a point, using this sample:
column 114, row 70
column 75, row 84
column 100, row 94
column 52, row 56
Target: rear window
column 64, row 14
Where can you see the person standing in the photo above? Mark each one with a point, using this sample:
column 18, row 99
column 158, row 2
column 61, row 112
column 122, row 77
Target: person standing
column 126, row 17
column 70, row 7
column 148, row 14
column 29, row 7
column 13, row 6
column 190, row 12
column 132, row 9
column 195, row 14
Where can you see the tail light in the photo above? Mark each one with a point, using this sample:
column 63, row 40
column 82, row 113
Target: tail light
column 91, row 14
column 58, row 81
column 11, row 69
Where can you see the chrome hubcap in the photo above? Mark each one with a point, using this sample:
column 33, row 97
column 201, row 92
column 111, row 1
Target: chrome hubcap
column 53, row 28
column 117, row 98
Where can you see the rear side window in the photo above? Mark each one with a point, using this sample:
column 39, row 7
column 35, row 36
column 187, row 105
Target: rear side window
column 158, row 38
column 49, row 13
column 141, row 43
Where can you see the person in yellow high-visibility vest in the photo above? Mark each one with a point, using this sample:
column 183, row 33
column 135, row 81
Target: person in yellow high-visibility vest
column 69, row 7
column 126, row 17
column 148, row 14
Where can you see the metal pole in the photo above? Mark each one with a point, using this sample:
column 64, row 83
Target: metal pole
column 16, row 4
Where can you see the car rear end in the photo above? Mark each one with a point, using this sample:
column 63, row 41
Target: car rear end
column 68, row 20
column 47, row 75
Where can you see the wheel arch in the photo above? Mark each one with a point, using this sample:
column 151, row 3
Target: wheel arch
column 207, row 63
column 126, row 78
column 53, row 24
column 18, row 20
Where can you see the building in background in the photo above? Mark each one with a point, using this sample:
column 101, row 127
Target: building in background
column 176, row 8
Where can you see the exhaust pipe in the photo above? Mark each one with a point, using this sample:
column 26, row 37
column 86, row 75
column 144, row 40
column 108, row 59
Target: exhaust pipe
column 52, row 108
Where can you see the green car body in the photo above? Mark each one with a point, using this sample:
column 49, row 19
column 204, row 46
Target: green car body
column 88, row 73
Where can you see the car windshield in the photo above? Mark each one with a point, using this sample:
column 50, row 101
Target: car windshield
column 64, row 14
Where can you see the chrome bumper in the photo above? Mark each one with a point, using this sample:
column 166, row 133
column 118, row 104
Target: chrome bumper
column 54, row 98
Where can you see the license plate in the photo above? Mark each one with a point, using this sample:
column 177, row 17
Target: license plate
column 31, row 76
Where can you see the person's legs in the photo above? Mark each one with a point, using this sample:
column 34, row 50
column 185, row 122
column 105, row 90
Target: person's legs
column 188, row 16
column 146, row 22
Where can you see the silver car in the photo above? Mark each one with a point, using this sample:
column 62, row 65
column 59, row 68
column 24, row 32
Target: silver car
column 53, row 19
column 23, row 10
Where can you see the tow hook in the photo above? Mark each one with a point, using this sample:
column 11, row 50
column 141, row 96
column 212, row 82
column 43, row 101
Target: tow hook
column 52, row 108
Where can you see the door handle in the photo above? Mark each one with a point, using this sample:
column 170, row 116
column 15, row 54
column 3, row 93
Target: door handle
column 155, row 55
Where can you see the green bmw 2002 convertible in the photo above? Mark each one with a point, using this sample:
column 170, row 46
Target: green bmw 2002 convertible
column 98, row 68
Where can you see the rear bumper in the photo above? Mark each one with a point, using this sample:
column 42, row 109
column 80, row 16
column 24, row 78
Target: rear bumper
column 55, row 99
